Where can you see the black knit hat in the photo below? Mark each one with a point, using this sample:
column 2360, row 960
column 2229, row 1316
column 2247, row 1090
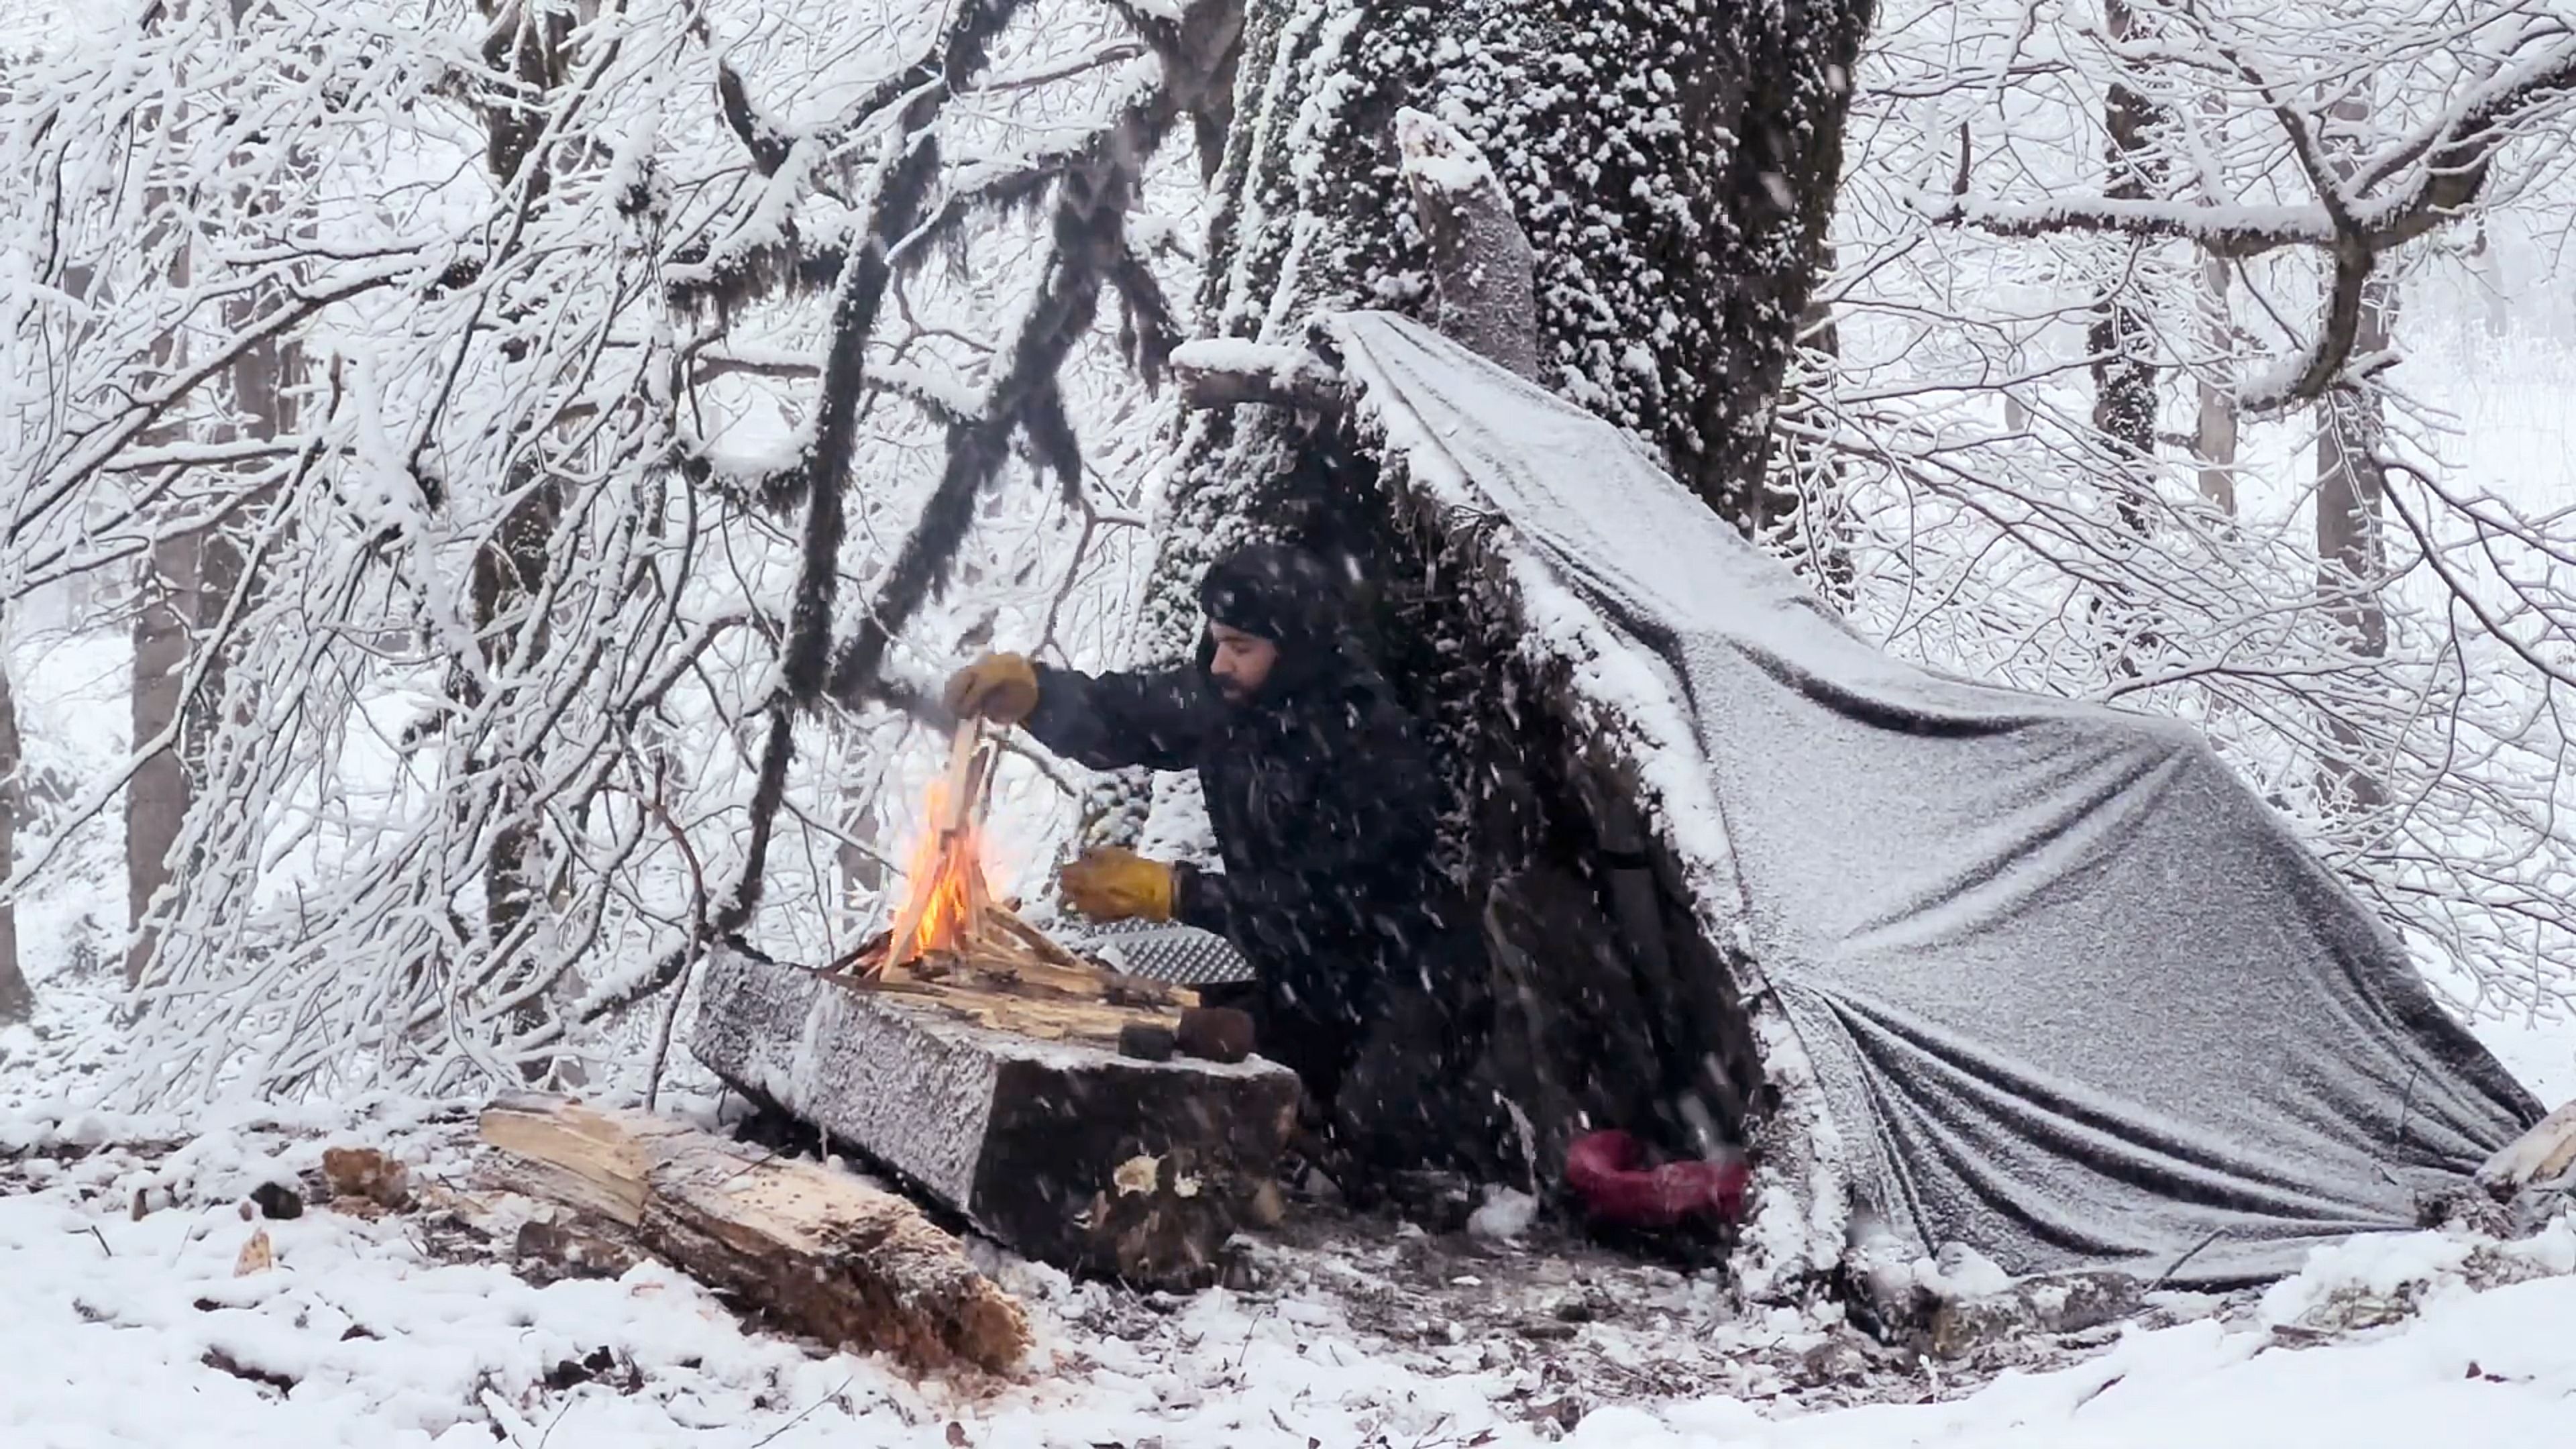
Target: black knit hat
column 1291, row 598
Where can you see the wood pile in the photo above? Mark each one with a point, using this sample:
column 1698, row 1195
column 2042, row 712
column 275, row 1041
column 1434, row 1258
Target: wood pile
column 952, row 942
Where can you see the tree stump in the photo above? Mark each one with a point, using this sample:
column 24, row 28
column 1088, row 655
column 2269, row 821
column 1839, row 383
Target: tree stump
column 1015, row 1112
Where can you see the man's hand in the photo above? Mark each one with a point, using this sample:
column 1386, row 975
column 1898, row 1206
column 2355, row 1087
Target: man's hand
column 1112, row 883
column 1002, row 688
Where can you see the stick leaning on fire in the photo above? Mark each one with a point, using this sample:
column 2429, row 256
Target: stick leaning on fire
column 950, row 925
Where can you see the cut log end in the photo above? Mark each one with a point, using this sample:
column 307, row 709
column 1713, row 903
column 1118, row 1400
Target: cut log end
column 816, row 1249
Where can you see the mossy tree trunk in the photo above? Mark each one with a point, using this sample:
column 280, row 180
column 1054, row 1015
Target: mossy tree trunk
column 1673, row 164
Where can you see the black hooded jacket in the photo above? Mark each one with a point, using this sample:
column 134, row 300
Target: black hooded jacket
column 1319, row 791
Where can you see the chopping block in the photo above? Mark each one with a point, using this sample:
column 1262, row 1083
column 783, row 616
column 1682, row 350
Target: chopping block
column 1014, row 1112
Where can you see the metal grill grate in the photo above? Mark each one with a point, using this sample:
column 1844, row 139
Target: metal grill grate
column 1161, row 951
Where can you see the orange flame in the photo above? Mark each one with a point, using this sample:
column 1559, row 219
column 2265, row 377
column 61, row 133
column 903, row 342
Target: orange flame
column 943, row 884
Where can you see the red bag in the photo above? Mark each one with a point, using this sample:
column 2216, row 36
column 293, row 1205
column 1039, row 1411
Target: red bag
column 1607, row 1171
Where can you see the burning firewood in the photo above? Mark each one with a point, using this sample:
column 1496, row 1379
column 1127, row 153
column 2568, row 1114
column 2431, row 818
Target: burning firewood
column 951, row 929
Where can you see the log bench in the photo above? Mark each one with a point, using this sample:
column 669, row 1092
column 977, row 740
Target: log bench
column 1012, row 1109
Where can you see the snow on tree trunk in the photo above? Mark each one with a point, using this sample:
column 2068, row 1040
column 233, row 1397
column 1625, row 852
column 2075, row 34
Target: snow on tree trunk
column 2122, row 336
column 1673, row 166
column 193, row 577
column 507, row 571
column 2124, row 373
column 190, row 578
column 169, row 604
column 2215, row 426
column 158, row 794
column 2352, row 549
column 2214, row 435
column 15, row 999
column 1483, row 270
column 532, row 46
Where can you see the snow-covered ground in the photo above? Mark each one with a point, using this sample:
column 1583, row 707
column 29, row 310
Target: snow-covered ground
column 413, row 1330
column 122, row 1330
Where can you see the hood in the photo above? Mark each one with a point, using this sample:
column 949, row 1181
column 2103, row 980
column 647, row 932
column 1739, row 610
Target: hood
column 1289, row 597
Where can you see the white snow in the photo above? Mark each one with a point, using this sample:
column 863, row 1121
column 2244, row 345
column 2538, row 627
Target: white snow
column 1505, row 1213
column 1176, row 823
column 2486, row 1360
column 123, row 1331
column 1438, row 154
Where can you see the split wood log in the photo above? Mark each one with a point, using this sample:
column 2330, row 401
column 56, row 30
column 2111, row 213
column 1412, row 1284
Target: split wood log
column 2543, row 1157
column 1063, row 1150
column 821, row 1251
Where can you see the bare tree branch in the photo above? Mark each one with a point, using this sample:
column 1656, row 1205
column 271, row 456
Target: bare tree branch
column 2419, row 186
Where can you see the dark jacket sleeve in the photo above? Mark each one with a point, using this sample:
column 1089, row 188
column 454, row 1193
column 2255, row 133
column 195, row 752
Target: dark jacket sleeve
column 1158, row 719
column 1354, row 875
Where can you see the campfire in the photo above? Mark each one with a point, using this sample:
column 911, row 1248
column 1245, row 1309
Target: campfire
column 949, row 927
column 946, row 899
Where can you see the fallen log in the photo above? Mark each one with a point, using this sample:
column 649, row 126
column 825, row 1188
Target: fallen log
column 2543, row 1157
column 818, row 1249
column 1224, row 372
column 2053, row 1304
column 1060, row 1148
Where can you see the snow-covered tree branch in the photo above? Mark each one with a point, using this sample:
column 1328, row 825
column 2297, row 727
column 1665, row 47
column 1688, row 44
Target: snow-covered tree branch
column 2477, row 90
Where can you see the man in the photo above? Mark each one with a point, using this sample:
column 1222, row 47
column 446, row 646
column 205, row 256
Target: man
column 1323, row 804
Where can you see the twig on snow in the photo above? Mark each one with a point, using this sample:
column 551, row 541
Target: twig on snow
column 806, row 1413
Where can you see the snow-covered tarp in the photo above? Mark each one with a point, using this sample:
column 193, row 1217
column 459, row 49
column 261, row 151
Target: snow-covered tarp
column 2057, row 985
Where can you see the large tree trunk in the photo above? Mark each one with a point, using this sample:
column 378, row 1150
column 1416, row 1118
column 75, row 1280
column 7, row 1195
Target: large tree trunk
column 2214, row 430
column 2214, row 435
column 534, row 46
column 1673, row 166
column 158, row 796
column 2124, row 373
column 2352, row 548
column 2121, row 340
column 189, row 581
column 167, row 605
column 16, row 1001
column 508, row 572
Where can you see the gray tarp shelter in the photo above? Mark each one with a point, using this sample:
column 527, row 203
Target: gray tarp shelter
column 2033, row 975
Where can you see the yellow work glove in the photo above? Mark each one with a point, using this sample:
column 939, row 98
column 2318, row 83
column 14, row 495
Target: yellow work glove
column 1002, row 688
column 1112, row 883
